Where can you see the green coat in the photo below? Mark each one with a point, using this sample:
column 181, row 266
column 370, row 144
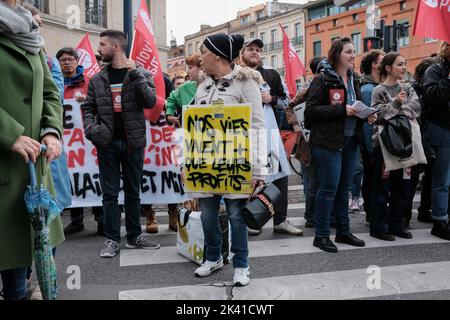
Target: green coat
column 29, row 101
column 181, row 97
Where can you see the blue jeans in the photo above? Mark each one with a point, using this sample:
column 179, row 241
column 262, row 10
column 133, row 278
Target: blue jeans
column 393, row 191
column 111, row 159
column 14, row 284
column 311, row 185
column 335, row 171
column 213, row 233
column 439, row 139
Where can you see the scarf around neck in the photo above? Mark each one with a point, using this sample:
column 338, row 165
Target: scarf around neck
column 18, row 25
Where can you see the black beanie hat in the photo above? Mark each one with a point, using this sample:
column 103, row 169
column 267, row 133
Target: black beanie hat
column 224, row 45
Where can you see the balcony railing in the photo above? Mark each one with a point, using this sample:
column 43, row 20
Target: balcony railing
column 279, row 44
column 273, row 46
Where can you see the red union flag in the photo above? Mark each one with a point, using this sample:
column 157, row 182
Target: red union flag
column 145, row 53
column 294, row 67
column 86, row 58
column 433, row 19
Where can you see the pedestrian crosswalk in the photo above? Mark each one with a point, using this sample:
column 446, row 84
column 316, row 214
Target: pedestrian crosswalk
column 286, row 267
column 338, row 285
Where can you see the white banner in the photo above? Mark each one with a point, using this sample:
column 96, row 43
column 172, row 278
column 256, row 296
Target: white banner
column 161, row 182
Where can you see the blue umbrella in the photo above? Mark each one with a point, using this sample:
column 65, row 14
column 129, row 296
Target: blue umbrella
column 42, row 209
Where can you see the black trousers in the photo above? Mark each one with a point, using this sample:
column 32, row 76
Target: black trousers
column 393, row 191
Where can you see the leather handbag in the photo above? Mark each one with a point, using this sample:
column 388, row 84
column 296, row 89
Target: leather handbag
column 261, row 206
column 397, row 137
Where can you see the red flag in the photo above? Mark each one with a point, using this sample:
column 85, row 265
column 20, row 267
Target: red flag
column 86, row 58
column 145, row 53
column 294, row 67
column 433, row 19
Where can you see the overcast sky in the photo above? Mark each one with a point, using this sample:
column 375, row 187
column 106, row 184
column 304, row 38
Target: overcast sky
column 185, row 17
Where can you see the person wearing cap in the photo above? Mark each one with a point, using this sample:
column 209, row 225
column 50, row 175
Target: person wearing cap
column 231, row 84
column 277, row 99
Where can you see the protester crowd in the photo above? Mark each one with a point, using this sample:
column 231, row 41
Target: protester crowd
column 404, row 137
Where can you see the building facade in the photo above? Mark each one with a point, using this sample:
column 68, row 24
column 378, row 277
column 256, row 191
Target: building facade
column 325, row 22
column 261, row 21
column 94, row 17
column 176, row 61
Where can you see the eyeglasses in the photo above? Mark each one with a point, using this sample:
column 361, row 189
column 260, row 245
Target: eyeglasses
column 67, row 60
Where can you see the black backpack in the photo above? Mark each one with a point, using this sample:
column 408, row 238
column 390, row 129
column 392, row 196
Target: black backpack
column 397, row 137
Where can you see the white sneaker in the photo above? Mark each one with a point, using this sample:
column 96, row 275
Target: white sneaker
column 241, row 277
column 208, row 267
column 286, row 227
column 354, row 205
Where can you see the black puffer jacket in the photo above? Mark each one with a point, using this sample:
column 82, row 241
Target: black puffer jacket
column 326, row 111
column 138, row 93
column 436, row 94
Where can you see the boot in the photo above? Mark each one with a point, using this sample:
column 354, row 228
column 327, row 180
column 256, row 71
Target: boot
column 152, row 224
column 424, row 216
column 441, row 230
column 173, row 220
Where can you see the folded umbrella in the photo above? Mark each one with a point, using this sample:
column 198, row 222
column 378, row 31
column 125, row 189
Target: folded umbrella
column 42, row 209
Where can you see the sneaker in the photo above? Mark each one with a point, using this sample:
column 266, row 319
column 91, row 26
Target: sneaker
column 74, row 227
column 241, row 277
column 143, row 243
column 287, row 227
column 208, row 267
column 254, row 232
column 354, row 205
column 110, row 249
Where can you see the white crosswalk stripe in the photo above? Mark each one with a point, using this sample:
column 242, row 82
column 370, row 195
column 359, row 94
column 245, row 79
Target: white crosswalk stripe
column 338, row 285
column 397, row 279
column 265, row 248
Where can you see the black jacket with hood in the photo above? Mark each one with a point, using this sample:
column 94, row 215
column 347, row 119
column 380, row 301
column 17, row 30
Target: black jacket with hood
column 326, row 110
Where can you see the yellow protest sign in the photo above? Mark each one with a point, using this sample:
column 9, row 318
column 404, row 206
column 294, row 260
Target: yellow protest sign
column 217, row 148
